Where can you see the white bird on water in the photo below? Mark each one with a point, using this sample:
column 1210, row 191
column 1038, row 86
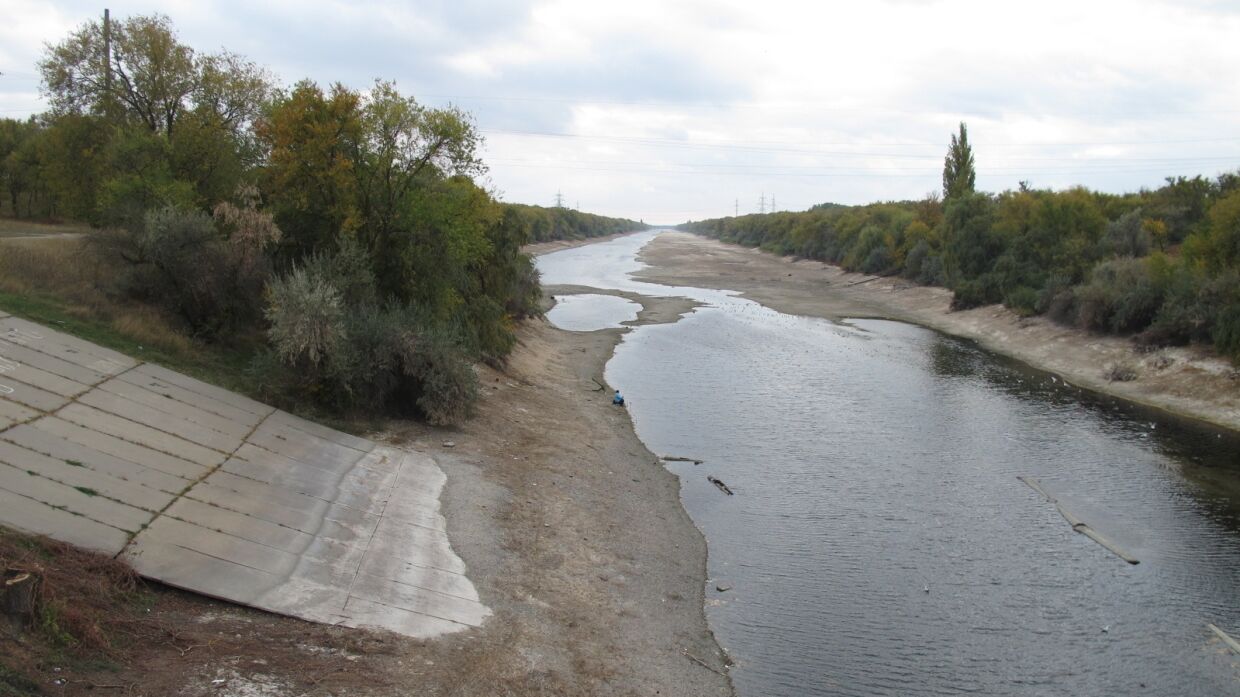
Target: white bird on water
column 926, row 587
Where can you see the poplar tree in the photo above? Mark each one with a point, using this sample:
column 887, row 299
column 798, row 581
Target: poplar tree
column 958, row 173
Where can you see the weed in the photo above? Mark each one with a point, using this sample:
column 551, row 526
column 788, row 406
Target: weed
column 14, row 684
column 1120, row 372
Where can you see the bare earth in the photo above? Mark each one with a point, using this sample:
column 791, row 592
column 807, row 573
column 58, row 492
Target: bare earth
column 1192, row 381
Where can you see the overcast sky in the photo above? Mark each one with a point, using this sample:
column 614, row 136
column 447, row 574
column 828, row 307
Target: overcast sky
column 668, row 110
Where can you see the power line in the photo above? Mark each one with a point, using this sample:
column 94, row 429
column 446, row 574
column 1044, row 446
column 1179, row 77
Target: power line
column 726, row 145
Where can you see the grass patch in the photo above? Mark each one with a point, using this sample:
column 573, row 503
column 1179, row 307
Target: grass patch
column 15, row 684
column 87, row 490
column 64, row 285
column 74, row 463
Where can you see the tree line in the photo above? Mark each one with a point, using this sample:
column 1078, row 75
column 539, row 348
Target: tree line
column 1161, row 265
column 344, row 231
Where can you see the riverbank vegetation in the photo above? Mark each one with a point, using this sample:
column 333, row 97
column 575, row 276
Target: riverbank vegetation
column 336, row 242
column 559, row 223
column 1161, row 265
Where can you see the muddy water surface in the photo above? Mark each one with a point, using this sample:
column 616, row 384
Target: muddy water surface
column 879, row 542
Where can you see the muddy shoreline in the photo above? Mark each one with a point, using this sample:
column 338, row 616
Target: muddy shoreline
column 1187, row 382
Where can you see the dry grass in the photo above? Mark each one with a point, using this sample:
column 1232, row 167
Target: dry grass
column 82, row 283
column 10, row 228
column 83, row 597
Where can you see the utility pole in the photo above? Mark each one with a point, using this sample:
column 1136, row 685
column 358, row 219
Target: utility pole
column 107, row 51
column 772, row 203
column 736, row 208
column 762, row 203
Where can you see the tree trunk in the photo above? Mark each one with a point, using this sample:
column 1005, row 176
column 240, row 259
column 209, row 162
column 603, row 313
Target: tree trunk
column 19, row 594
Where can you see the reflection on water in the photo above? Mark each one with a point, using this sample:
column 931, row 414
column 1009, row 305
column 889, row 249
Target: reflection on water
column 590, row 312
column 879, row 542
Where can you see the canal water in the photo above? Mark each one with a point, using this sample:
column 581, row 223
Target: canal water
column 879, row 541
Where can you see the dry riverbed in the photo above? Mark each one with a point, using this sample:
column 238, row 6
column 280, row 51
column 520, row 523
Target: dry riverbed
column 1188, row 381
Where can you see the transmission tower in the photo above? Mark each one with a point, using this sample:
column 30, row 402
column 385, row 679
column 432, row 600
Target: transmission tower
column 762, row 203
column 559, row 200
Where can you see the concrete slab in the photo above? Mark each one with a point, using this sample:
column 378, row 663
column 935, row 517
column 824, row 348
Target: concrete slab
column 284, row 418
column 32, row 438
column 15, row 479
column 282, row 507
column 14, row 413
column 27, row 395
column 134, row 432
column 63, row 346
column 62, row 377
column 75, row 474
column 122, row 449
column 213, row 492
column 242, row 417
column 167, row 404
column 41, row 378
column 202, row 389
column 166, row 420
column 38, row 518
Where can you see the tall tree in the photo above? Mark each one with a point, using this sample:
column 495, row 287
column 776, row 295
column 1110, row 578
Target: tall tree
column 959, row 176
column 150, row 77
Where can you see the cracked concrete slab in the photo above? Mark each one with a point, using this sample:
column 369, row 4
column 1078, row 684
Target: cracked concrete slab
column 211, row 491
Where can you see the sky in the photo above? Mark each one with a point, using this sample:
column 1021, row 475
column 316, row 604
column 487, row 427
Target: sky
column 674, row 110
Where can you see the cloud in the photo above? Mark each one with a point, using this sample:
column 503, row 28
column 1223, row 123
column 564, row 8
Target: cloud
column 675, row 110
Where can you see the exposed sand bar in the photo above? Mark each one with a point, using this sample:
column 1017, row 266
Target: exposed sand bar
column 1196, row 383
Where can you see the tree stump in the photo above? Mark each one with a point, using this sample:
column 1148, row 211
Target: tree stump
column 19, row 594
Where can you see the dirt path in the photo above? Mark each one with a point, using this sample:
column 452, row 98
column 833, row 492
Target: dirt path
column 1187, row 381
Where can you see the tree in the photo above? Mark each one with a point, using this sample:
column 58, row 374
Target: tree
column 314, row 140
column 151, row 77
column 959, row 176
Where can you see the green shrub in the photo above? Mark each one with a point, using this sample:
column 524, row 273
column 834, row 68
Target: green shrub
column 1121, row 296
column 448, row 385
column 362, row 357
column 1127, row 236
column 307, row 318
column 180, row 259
column 975, row 293
column 1024, row 300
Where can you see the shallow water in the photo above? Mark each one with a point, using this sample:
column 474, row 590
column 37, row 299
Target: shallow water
column 879, row 542
column 587, row 312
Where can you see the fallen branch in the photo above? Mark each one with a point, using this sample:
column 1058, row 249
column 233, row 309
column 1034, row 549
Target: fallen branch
column 601, row 386
column 677, row 458
column 695, row 659
column 719, row 483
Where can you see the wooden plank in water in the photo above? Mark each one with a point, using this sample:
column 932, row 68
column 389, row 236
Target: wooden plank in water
column 1080, row 525
column 1232, row 643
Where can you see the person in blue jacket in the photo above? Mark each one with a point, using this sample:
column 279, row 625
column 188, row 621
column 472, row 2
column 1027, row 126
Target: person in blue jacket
column 618, row 399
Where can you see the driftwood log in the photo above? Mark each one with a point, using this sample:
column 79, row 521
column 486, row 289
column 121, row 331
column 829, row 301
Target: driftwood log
column 719, row 483
column 678, row 458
